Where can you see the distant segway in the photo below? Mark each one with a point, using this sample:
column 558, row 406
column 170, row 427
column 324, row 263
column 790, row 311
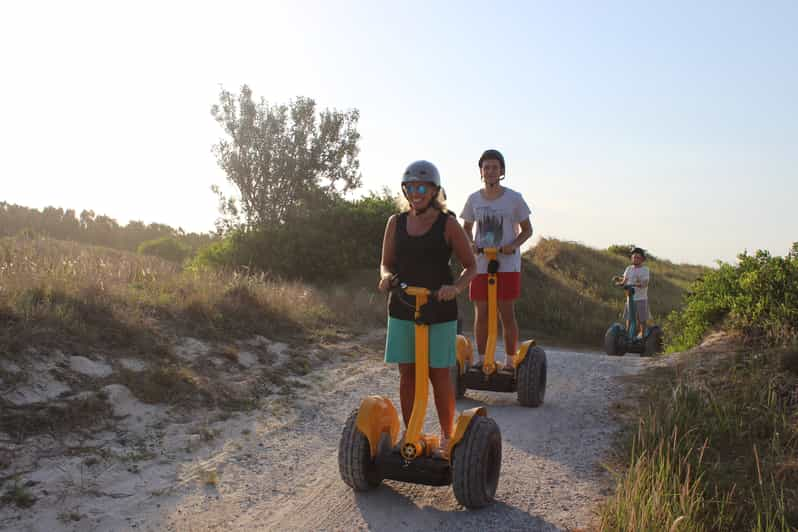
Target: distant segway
column 527, row 377
column 370, row 449
column 619, row 340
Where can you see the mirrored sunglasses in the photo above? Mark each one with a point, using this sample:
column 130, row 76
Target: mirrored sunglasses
column 421, row 189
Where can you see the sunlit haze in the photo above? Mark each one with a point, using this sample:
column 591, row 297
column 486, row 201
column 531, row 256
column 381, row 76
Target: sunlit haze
column 672, row 125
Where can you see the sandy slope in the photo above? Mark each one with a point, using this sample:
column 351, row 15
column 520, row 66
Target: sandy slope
column 277, row 467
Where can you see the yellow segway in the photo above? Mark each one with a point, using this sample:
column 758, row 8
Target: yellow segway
column 527, row 377
column 370, row 449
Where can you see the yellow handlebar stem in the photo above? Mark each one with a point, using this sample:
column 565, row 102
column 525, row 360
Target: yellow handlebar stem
column 413, row 444
column 489, row 366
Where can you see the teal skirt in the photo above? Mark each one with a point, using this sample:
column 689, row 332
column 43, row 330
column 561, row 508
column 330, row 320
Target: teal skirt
column 400, row 344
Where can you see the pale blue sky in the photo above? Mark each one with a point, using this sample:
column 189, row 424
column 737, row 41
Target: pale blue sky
column 670, row 124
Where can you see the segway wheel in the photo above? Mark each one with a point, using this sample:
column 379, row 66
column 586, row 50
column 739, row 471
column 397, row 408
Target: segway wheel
column 532, row 378
column 653, row 344
column 612, row 344
column 458, row 383
column 358, row 470
column 476, row 463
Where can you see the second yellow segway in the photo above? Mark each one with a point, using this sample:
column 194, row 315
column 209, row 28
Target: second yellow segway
column 527, row 377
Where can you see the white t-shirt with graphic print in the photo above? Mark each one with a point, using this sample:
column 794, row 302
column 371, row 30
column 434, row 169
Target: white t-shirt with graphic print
column 498, row 223
column 640, row 274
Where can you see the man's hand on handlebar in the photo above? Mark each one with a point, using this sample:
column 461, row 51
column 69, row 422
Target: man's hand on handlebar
column 509, row 249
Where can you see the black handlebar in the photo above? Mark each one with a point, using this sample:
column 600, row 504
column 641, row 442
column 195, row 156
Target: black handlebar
column 398, row 288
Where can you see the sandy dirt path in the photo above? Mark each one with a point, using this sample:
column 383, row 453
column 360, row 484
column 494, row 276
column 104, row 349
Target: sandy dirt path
column 286, row 477
column 275, row 468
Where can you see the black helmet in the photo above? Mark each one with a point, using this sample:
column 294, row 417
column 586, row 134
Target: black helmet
column 493, row 154
column 639, row 251
column 422, row 171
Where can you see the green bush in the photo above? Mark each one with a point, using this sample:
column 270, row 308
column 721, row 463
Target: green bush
column 167, row 248
column 322, row 245
column 758, row 298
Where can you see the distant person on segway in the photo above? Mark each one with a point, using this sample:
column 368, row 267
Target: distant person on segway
column 502, row 221
column 638, row 276
column 416, row 250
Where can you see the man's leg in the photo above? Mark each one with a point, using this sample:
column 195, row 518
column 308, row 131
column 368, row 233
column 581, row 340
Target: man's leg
column 510, row 329
column 642, row 316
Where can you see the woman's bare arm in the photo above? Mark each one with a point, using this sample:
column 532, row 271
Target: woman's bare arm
column 388, row 261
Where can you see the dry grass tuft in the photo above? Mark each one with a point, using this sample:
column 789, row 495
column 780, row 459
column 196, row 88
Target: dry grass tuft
column 74, row 296
column 18, row 495
column 167, row 384
column 53, row 418
column 716, row 442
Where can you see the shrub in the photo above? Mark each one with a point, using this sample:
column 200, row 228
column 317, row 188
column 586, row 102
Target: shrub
column 322, row 245
column 758, row 298
column 167, row 248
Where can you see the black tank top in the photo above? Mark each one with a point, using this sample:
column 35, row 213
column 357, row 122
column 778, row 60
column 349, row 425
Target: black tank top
column 423, row 261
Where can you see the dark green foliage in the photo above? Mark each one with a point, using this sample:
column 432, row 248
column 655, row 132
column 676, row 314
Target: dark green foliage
column 322, row 245
column 167, row 248
column 757, row 297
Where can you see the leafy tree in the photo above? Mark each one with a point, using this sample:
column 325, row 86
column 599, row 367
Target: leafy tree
column 285, row 160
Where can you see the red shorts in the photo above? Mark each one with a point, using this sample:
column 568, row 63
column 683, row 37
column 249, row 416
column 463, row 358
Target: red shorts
column 509, row 286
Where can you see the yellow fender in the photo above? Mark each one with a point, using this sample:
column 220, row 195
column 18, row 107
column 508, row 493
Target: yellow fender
column 522, row 350
column 377, row 415
column 462, row 425
column 465, row 352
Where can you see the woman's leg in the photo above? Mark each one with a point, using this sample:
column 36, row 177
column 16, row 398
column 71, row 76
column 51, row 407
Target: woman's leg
column 443, row 391
column 407, row 389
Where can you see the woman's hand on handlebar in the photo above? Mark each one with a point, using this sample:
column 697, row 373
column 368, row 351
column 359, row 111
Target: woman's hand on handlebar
column 384, row 285
column 447, row 292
